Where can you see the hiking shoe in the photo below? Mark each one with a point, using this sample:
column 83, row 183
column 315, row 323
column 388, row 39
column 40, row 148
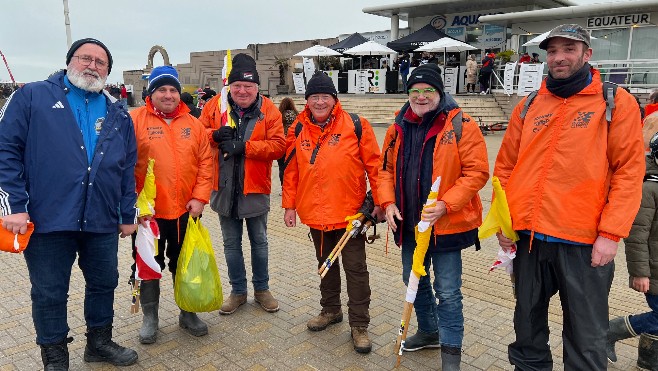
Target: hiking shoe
column 266, row 300
column 362, row 343
column 420, row 341
column 323, row 320
column 232, row 303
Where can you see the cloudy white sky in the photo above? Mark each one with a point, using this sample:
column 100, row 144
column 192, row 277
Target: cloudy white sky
column 33, row 37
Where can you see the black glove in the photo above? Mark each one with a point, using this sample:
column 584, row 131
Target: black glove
column 223, row 134
column 232, row 148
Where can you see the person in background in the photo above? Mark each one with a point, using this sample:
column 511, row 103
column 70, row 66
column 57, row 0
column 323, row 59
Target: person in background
column 471, row 74
column 525, row 58
column 535, row 58
column 405, row 63
column 485, row 72
column 178, row 143
column 288, row 115
column 124, row 96
column 187, row 98
column 641, row 256
column 652, row 106
column 78, row 190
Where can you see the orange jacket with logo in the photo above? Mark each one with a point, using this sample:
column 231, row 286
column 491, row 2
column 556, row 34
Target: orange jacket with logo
column 334, row 187
column 463, row 167
column 183, row 167
column 266, row 144
column 567, row 172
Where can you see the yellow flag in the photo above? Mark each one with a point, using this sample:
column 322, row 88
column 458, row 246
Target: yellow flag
column 146, row 198
column 498, row 218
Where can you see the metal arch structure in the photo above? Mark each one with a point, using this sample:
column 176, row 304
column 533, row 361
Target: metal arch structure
column 13, row 81
column 155, row 49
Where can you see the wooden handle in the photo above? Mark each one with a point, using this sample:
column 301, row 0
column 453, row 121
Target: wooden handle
column 336, row 255
column 328, row 262
column 402, row 333
column 134, row 307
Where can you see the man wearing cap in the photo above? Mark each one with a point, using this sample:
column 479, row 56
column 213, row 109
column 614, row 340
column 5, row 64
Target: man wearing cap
column 573, row 180
column 433, row 137
column 67, row 155
column 242, row 181
column 325, row 182
column 178, row 143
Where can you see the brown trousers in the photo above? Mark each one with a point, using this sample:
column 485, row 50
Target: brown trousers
column 353, row 257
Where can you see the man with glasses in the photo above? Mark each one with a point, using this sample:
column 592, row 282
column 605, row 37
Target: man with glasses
column 67, row 158
column 243, row 158
column 433, row 137
column 325, row 182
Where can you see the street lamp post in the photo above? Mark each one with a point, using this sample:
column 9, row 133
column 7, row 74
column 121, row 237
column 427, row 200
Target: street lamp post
column 67, row 23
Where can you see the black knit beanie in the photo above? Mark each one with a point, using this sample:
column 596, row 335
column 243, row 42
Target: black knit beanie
column 320, row 83
column 428, row 73
column 243, row 69
column 81, row 42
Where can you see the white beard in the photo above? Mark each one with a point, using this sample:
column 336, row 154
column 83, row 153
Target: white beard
column 92, row 84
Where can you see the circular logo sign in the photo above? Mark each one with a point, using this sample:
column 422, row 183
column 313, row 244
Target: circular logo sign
column 438, row 22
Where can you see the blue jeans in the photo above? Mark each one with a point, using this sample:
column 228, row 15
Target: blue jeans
column 646, row 322
column 232, row 234
column 50, row 257
column 446, row 318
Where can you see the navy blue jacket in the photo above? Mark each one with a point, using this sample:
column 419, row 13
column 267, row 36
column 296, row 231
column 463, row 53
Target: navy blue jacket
column 44, row 169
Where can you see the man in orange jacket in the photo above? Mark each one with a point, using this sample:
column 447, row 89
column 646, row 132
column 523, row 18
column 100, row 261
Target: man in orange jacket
column 242, row 178
column 573, row 180
column 325, row 182
column 433, row 137
column 178, row 142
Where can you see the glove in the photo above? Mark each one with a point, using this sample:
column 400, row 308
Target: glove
column 223, row 134
column 232, row 148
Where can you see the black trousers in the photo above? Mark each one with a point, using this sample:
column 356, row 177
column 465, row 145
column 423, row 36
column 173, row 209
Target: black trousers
column 549, row 268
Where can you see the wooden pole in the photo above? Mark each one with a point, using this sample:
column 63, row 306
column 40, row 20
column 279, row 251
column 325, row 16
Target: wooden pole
column 404, row 326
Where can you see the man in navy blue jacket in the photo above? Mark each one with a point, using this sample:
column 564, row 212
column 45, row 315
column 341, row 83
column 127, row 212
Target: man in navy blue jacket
column 67, row 157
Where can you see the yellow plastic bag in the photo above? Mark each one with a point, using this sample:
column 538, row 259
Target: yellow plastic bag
column 198, row 287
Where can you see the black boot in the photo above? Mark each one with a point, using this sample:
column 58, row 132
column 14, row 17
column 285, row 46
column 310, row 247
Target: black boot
column 150, row 300
column 191, row 322
column 619, row 329
column 55, row 357
column 101, row 348
column 451, row 358
column 647, row 352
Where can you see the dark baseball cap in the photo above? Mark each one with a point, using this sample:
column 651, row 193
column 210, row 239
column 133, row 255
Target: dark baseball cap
column 568, row 31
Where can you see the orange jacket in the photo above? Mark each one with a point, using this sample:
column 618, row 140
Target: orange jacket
column 334, row 187
column 567, row 172
column 463, row 167
column 183, row 167
column 266, row 144
column 650, row 108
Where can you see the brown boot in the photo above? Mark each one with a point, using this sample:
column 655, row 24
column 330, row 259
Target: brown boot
column 323, row 320
column 266, row 300
column 362, row 343
column 232, row 303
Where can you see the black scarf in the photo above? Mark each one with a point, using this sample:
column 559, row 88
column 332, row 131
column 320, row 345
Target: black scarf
column 564, row 88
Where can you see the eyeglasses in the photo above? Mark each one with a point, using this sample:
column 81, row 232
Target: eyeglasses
column 243, row 87
column 86, row 60
column 427, row 92
column 319, row 97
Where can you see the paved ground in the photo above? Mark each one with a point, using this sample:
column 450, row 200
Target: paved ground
column 252, row 339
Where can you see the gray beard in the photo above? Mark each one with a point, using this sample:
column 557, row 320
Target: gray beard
column 79, row 80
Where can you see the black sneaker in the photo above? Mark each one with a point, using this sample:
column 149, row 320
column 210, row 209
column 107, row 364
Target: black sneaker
column 420, row 341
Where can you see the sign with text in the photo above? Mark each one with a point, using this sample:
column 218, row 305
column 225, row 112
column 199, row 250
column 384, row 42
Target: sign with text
column 450, row 79
column 298, row 81
column 309, row 68
column 619, row 20
column 530, row 76
column 493, row 36
column 508, row 78
column 458, row 33
column 366, row 81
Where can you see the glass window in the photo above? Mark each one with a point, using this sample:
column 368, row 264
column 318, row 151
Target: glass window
column 644, row 44
column 610, row 44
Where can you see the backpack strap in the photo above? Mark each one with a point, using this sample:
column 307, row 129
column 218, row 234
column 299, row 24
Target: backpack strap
column 358, row 129
column 298, row 129
column 457, row 125
column 527, row 104
column 390, row 146
column 609, row 92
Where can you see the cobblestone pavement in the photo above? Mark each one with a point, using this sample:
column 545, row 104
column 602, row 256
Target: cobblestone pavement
column 252, row 339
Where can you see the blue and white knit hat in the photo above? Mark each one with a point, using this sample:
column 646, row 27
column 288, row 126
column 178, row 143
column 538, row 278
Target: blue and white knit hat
column 163, row 75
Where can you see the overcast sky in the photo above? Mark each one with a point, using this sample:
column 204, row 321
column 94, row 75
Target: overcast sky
column 33, row 37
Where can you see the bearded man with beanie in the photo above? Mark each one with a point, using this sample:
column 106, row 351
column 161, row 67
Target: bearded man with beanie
column 325, row 182
column 433, row 137
column 177, row 141
column 242, row 181
column 572, row 171
column 67, row 154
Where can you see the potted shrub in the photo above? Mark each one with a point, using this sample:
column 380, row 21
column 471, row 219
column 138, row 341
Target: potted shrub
column 282, row 65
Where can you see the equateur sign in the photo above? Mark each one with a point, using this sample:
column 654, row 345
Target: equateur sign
column 618, row 20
